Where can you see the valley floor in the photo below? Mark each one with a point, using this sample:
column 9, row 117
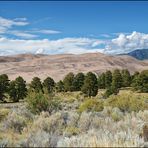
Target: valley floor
column 77, row 122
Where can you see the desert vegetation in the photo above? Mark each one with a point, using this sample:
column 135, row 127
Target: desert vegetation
column 110, row 109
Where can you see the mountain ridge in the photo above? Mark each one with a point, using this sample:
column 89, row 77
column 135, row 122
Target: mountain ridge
column 140, row 54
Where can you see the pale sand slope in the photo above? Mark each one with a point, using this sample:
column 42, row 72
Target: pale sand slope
column 57, row 66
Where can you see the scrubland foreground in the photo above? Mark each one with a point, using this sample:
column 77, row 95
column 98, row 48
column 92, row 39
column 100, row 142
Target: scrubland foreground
column 82, row 110
column 73, row 120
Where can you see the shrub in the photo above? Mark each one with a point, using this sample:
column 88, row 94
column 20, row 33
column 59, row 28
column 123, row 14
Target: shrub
column 4, row 143
column 55, row 104
column 50, row 124
column 72, row 119
column 91, row 105
column 71, row 130
column 37, row 101
column 3, row 113
column 101, row 138
column 84, row 121
column 116, row 114
column 127, row 103
column 37, row 139
column 14, row 122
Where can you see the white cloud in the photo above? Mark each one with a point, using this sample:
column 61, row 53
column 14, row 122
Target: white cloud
column 8, row 23
column 22, row 34
column 6, row 27
column 124, row 43
column 21, row 19
column 106, row 35
column 127, row 43
column 66, row 45
column 47, row 31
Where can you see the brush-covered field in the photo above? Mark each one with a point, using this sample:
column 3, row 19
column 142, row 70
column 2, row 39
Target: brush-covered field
column 77, row 121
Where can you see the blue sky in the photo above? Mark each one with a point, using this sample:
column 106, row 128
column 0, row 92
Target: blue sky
column 110, row 26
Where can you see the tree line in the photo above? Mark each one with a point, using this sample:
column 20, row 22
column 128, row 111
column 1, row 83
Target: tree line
column 88, row 83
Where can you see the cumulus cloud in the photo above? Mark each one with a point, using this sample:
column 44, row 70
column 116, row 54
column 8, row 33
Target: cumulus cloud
column 122, row 44
column 127, row 43
column 66, row 45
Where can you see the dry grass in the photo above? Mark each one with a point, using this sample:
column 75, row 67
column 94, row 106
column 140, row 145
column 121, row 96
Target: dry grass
column 68, row 128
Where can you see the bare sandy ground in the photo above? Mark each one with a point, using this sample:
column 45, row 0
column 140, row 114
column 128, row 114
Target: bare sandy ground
column 57, row 66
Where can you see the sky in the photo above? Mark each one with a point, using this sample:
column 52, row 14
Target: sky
column 53, row 27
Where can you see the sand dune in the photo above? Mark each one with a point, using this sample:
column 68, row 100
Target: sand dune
column 57, row 66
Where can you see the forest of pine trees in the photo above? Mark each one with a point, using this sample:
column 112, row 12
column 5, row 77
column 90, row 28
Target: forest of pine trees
column 89, row 84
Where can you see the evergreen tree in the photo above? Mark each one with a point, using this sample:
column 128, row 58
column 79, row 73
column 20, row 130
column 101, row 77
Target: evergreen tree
column 60, row 86
column 101, row 81
column 36, row 85
column 109, row 91
column 90, row 87
column 143, row 78
column 17, row 89
column 68, row 82
column 108, row 79
column 116, row 81
column 126, row 78
column 78, row 81
column 134, row 76
column 13, row 92
column 140, row 82
column 4, row 84
column 49, row 84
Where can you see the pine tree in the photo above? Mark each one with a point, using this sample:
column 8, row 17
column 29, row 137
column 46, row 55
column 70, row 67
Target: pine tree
column 90, row 87
column 36, row 85
column 116, row 81
column 135, row 81
column 101, row 81
column 13, row 92
column 140, row 81
column 126, row 78
column 108, row 79
column 4, row 84
column 109, row 91
column 68, row 82
column 49, row 84
column 17, row 89
column 78, row 81
column 60, row 86
column 134, row 76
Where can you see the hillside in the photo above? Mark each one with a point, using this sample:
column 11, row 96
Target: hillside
column 139, row 54
column 57, row 66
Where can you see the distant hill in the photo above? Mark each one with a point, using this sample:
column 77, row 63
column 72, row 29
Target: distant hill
column 141, row 54
column 57, row 66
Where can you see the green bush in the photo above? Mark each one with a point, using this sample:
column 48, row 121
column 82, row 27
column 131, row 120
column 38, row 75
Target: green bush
column 37, row 101
column 3, row 113
column 127, row 102
column 71, row 130
column 116, row 114
column 91, row 105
